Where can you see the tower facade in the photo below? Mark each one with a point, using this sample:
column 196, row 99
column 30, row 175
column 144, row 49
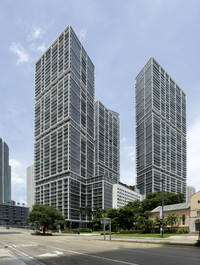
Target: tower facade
column 5, row 186
column 160, row 108
column 64, row 125
column 107, row 158
column 107, row 142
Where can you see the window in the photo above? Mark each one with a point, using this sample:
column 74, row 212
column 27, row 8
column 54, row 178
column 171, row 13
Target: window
column 198, row 213
column 183, row 219
column 198, row 201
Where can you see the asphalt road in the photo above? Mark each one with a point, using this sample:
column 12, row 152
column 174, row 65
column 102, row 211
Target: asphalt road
column 19, row 248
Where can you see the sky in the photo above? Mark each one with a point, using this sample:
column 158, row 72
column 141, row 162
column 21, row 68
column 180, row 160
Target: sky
column 119, row 36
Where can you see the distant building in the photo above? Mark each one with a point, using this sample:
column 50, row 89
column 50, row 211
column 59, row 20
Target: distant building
column 30, row 186
column 188, row 213
column 107, row 143
column 13, row 215
column 190, row 192
column 107, row 157
column 123, row 194
column 9, row 184
column 5, row 177
column 160, row 131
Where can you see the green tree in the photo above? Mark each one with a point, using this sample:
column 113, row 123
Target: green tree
column 127, row 217
column 144, row 224
column 98, row 213
column 136, row 206
column 172, row 219
column 80, row 211
column 113, row 214
column 155, row 199
column 158, row 222
column 46, row 216
column 88, row 212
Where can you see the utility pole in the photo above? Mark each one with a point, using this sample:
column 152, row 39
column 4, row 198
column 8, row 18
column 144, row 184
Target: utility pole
column 162, row 209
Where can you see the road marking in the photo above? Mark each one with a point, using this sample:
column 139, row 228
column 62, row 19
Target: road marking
column 94, row 256
column 57, row 253
column 24, row 254
column 27, row 245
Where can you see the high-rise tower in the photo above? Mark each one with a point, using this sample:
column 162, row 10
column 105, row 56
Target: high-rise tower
column 64, row 125
column 107, row 142
column 5, row 186
column 160, row 131
column 107, row 160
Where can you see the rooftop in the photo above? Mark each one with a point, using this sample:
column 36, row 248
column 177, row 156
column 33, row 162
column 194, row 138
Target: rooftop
column 172, row 207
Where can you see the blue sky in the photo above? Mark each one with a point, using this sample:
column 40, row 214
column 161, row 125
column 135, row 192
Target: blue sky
column 119, row 36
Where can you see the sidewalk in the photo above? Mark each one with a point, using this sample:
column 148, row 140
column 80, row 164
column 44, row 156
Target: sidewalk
column 7, row 258
column 185, row 239
column 182, row 239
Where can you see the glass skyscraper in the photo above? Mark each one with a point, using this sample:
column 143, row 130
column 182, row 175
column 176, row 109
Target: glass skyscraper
column 5, row 177
column 107, row 157
column 64, row 125
column 160, row 107
column 107, row 142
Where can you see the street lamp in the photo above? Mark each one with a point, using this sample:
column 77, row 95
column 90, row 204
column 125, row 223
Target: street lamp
column 162, row 208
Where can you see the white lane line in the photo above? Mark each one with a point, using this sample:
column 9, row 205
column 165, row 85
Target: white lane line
column 94, row 256
column 57, row 253
column 23, row 254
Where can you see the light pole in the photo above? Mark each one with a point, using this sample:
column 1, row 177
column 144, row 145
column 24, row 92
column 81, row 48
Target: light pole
column 162, row 209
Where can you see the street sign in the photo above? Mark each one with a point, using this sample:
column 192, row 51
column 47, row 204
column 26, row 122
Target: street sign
column 105, row 220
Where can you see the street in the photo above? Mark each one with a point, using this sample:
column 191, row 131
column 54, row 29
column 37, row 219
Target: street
column 20, row 247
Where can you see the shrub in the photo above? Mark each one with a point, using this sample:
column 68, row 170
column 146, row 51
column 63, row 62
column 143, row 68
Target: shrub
column 168, row 230
column 82, row 230
column 130, row 231
column 197, row 244
column 184, row 230
column 108, row 233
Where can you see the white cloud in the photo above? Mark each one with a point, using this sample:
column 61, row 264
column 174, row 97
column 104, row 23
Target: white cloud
column 82, row 34
column 127, row 165
column 36, row 33
column 41, row 48
column 123, row 140
column 129, row 152
column 193, row 150
column 18, row 181
column 23, row 55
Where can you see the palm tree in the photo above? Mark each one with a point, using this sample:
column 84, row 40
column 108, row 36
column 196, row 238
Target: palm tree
column 89, row 212
column 97, row 212
column 172, row 219
column 80, row 211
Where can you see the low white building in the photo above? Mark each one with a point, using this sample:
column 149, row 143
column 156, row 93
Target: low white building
column 122, row 195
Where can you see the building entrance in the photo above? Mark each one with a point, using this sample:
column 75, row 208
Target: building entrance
column 197, row 226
